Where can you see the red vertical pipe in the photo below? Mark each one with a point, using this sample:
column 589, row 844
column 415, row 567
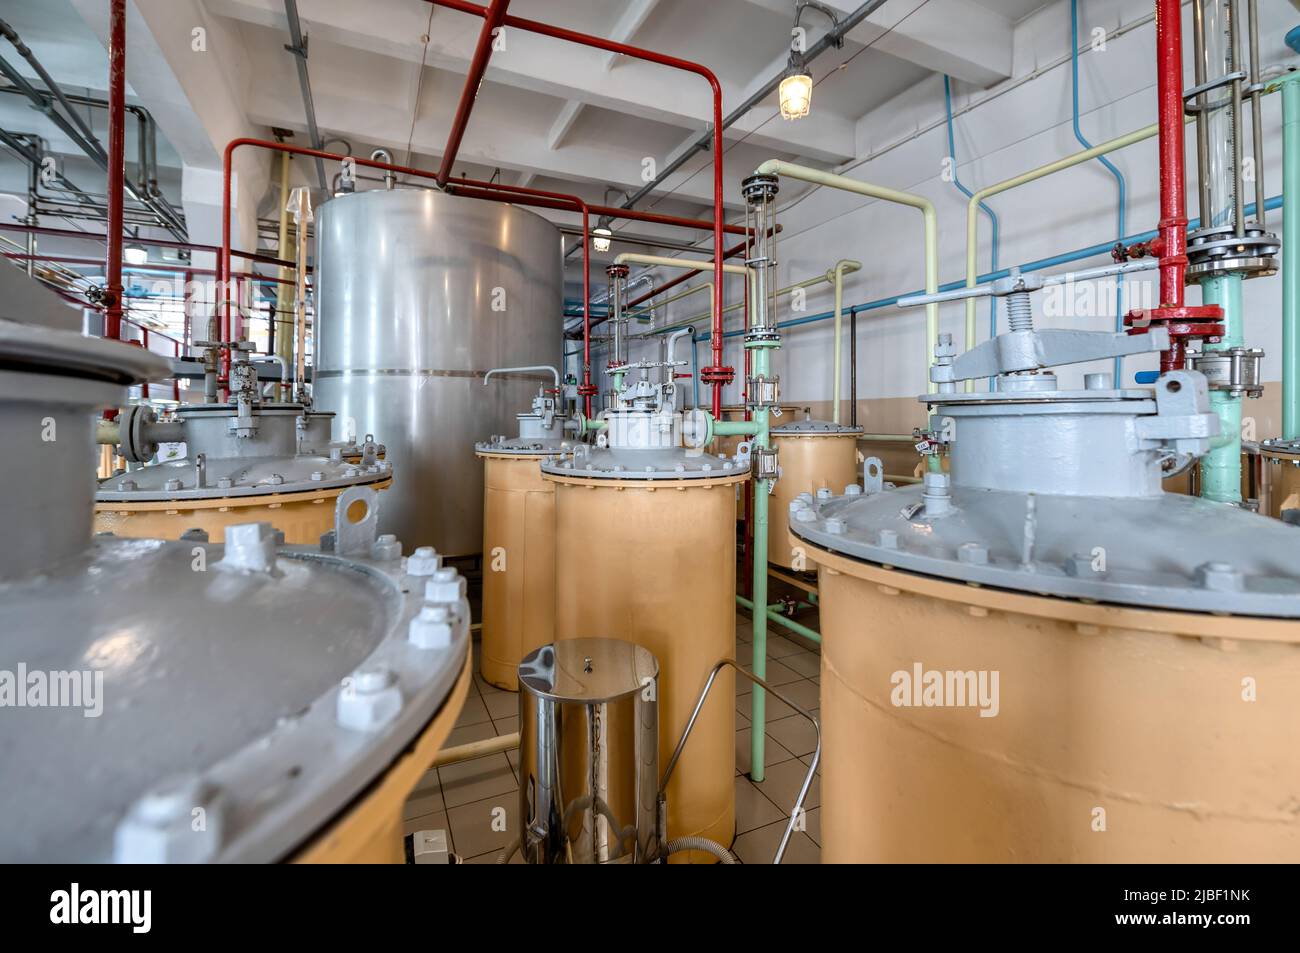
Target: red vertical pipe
column 1173, row 196
column 492, row 18
column 716, row 373
column 116, row 167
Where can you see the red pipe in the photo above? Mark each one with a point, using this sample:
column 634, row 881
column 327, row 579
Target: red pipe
column 1173, row 198
column 715, row 374
column 492, row 18
column 1182, row 321
column 155, row 242
column 116, row 167
column 152, row 266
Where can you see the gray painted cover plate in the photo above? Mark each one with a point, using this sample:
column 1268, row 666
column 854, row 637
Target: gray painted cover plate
column 1147, row 551
column 228, row 675
column 248, row 476
column 524, row 446
column 30, row 347
column 588, row 462
column 813, row 428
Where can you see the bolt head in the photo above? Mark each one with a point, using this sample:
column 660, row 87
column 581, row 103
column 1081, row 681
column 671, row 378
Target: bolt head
column 1219, row 577
column 853, row 489
column 446, row 586
column 275, row 479
column 836, row 525
column 386, row 548
column 824, row 493
column 224, row 483
column 973, row 554
column 425, row 561
column 888, row 539
column 159, row 827
column 368, row 699
column 317, row 476
column 172, row 485
column 126, row 485
column 431, row 628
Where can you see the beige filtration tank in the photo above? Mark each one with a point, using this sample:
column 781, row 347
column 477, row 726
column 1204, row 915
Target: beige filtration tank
column 1042, row 657
column 815, row 455
column 1280, row 473
column 648, row 539
column 519, row 540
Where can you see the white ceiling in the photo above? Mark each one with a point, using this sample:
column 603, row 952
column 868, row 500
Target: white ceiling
column 549, row 114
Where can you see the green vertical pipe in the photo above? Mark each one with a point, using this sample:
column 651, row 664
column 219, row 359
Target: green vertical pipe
column 1290, row 258
column 1221, row 467
column 761, row 490
column 774, row 613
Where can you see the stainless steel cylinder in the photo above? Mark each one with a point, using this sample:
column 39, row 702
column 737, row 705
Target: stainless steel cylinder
column 418, row 295
column 589, row 752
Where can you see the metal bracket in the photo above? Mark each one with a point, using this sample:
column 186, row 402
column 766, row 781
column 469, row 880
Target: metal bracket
column 354, row 537
column 1015, row 351
column 1182, row 422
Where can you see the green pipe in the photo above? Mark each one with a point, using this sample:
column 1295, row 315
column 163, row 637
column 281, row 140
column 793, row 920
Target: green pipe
column 811, row 634
column 737, row 428
column 1290, row 258
column 1221, row 467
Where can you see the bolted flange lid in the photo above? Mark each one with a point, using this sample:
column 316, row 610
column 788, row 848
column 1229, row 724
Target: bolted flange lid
column 673, row 463
column 523, row 446
column 814, row 428
column 41, row 350
column 1166, row 551
column 257, row 686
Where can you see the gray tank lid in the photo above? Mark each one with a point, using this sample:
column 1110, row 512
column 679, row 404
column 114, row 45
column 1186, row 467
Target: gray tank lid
column 42, row 350
column 675, row 463
column 813, row 428
column 247, row 476
column 1167, row 551
column 523, row 446
column 587, row 671
column 270, row 698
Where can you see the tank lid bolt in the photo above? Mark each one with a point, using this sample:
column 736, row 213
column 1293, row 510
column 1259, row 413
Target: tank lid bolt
column 159, row 827
column 225, row 483
column 250, row 547
column 386, row 548
column 853, row 489
column 126, row 484
column 368, row 699
column 707, row 468
column 336, row 454
column 804, row 514
column 1219, row 577
column 425, row 561
column 973, row 554
column 446, row 586
column 805, row 496
column 680, row 468
column 824, row 493
column 836, row 526
column 317, row 476
column 431, row 628
column 275, row 479
column 1081, row 567
column 172, row 484
column 888, row 539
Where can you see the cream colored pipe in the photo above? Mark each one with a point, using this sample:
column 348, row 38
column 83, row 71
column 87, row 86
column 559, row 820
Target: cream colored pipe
column 851, row 266
column 842, row 267
column 829, row 179
column 476, row 749
column 283, row 341
column 685, row 263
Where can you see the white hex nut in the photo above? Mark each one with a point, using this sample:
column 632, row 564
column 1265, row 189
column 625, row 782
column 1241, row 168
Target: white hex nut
column 431, row 628
column 824, row 493
column 386, row 548
column 446, row 586
column 425, row 561
column 369, row 699
column 160, row 827
column 250, row 547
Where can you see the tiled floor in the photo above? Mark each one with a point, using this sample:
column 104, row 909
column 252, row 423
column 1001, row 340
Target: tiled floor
column 477, row 802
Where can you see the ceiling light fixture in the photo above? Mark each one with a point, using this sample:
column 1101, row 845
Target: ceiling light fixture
column 135, row 254
column 795, row 91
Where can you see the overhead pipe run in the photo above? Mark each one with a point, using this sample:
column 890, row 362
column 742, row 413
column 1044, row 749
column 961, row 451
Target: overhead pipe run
column 715, row 374
column 492, row 17
column 298, row 47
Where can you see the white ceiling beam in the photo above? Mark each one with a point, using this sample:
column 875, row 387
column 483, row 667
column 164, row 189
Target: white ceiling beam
column 625, row 29
column 563, row 123
column 528, row 62
column 957, row 37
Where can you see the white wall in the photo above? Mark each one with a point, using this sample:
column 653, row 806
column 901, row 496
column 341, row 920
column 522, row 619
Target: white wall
column 1021, row 124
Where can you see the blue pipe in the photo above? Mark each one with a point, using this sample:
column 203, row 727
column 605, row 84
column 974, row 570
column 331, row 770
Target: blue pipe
column 984, row 207
column 1065, row 258
column 1119, row 176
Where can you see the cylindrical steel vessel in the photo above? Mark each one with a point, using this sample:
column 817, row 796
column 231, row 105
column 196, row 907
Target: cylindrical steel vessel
column 814, row 455
column 418, row 294
column 518, row 563
column 659, row 569
column 588, row 752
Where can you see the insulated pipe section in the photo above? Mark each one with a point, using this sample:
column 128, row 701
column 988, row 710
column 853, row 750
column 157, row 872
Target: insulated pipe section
column 926, row 207
column 528, row 367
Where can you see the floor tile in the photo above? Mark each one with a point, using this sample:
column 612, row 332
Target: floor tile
column 807, row 664
column 780, row 647
column 775, row 708
column 753, row 810
column 425, row 822
column 781, row 783
column 759, row 847
column 506, row 726
column 777, row 673
column 796, row 734
column 803, row 693
column 813, row 825
column 502, row 704
column 773, row 752
column 491, row 858
column 473, row 713
column 473, row 825
column 423, row 802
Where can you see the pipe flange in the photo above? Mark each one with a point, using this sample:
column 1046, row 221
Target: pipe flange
column 760, row 188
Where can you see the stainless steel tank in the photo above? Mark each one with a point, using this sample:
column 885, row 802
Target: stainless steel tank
column 418, row 294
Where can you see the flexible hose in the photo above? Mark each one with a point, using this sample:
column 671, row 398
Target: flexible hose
column 702, row 843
